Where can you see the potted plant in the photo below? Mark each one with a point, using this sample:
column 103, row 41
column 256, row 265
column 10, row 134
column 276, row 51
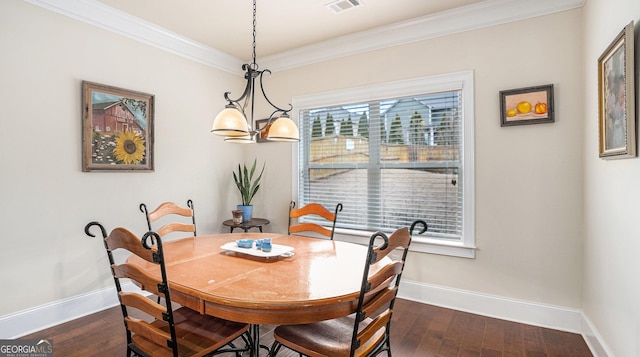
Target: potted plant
column 248, row 187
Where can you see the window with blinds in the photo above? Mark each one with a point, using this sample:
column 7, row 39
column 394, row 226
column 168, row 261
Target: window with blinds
column 389, row 161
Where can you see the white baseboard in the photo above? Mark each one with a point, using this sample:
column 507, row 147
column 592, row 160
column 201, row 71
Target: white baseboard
column 556, row 317
column 44, row 316
column 594, row 340
column 531, row 313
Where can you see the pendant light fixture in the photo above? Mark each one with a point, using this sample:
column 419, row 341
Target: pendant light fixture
column 234, row 124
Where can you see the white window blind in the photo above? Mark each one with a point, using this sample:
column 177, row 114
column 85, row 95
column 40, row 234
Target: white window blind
column 389, row 160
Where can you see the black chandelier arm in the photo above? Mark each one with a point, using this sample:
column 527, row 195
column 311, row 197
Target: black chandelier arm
column 269, row 121
column 284, row 111
column 249, row 75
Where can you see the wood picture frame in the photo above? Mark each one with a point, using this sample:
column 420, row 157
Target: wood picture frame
column 530, row 105
column 261, row 137
column 616, row 98
column 117, row 129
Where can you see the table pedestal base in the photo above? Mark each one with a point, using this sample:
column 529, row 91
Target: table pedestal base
column 254, row 331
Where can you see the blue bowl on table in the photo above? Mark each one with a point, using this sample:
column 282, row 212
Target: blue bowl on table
column 245, row 243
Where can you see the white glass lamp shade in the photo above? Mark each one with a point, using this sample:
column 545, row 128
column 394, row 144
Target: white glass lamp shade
column 244, row 139
column 230, row 122
column 283, row 129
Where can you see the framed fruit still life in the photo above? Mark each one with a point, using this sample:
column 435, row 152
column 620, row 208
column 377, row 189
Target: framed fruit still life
column 531, row 105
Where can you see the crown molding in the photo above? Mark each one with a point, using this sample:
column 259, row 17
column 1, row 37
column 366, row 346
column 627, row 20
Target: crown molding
column 467, row 18
column 98, row 14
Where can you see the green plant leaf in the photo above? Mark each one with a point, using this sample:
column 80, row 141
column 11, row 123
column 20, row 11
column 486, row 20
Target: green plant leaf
column 244, row 180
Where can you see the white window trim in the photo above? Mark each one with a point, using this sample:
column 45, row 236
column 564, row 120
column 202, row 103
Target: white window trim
column 416, row 86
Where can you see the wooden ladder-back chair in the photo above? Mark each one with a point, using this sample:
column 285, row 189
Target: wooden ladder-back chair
column 163, row 332
column 365, row 332
column 312, row 209
column 170, row 208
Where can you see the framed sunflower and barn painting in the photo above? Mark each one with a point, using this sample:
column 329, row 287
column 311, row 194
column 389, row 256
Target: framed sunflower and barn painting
column 117, row 129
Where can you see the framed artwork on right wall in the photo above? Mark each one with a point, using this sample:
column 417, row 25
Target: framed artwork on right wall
column 532, row 105
column 616, row 98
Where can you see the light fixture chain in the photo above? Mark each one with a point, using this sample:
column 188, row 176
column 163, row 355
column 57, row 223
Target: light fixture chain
column 232, row 121
column 255, row 65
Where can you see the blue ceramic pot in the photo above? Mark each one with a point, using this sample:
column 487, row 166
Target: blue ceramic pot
column 247, row 212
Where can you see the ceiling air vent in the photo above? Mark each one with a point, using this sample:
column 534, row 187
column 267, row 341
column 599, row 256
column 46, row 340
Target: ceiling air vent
column 342, row 5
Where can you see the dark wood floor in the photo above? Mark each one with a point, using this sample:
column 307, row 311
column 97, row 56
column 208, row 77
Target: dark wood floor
column 418, row 330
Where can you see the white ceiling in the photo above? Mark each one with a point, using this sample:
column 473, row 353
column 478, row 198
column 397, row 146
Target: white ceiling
column 282, row 25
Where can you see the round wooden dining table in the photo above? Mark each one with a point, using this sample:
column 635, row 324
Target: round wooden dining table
column 319, row 281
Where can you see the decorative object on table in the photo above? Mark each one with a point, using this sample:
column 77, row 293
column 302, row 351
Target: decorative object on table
column 275, row 250
column 117, row 129
column 232, row 122
column 265, row 245
column 531, row 105
column 248, row 187
column 616, row 98
column 237, row 216
column 245, row 243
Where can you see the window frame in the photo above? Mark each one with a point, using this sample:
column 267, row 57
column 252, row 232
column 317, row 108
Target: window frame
column 462, row 81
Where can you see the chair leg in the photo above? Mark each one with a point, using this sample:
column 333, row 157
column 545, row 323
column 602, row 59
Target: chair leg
column 388, row 343
column 275, row 347
column 247, row 344
column 384, row 346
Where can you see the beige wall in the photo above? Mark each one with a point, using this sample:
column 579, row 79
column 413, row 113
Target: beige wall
column 528, row 178
column 45, row 199
column 612, row 243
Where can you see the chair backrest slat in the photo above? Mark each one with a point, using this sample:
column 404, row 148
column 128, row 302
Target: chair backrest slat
column 316, row 210
column 388, row 272
column 167, row 209
column 379, row 301
column 399, row 239
column 375, row 326
column 143, row 303
column 176, row 227
column 313, row 208
column 310, row 227
column 121, row 238
column 148, row 331
column 145, row 280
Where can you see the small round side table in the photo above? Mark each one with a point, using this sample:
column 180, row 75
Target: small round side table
column 252, row 223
